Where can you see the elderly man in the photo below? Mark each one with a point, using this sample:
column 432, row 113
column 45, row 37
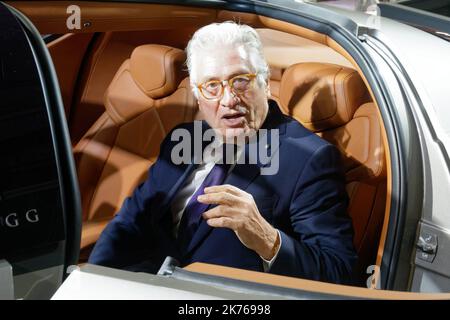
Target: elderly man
column 290, row 221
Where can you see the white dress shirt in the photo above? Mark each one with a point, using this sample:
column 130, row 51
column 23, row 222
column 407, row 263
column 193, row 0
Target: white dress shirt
column 192, row 183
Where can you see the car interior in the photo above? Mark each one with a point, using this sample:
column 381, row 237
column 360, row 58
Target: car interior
column 125, row 85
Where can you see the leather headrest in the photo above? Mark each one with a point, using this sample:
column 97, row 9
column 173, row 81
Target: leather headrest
column 322, row 96
column 153, row 72
column 157, row 69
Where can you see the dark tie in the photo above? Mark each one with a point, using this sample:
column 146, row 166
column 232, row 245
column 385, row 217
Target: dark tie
column 193, row 212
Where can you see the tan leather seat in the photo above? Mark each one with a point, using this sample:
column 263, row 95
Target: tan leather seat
column 148, row 96
column 333, row 101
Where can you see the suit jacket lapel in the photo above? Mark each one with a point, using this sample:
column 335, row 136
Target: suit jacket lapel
column 246, row 171
column 184, row 171
column 241, row 176
column 161, row 209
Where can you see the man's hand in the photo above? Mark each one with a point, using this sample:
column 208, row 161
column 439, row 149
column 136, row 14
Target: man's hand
column 237, row 211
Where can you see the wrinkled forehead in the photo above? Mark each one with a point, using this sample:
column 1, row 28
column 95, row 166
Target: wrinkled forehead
column 223, row 63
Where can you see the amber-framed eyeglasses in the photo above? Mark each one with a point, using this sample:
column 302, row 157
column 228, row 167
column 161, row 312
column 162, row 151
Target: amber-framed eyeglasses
column 214, row 89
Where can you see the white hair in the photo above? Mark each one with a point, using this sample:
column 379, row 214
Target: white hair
column 226, row 34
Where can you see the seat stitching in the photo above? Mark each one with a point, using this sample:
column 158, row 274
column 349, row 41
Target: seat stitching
column 101, row 173
column 84, row 141
column 165, row 77
column 347, row 102
column 378, row 168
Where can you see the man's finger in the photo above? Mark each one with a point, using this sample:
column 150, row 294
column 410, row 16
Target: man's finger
column 222, row 222
column 224, row 188
column 218, row 198
column 219, row 211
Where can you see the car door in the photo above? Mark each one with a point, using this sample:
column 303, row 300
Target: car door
column 415, row 79
column 39, row 200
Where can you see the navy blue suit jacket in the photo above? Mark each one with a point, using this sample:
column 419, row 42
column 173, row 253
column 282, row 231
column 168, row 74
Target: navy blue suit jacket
column 305, row 200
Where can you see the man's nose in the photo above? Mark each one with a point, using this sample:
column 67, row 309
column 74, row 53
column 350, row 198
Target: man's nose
column 229, row 98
